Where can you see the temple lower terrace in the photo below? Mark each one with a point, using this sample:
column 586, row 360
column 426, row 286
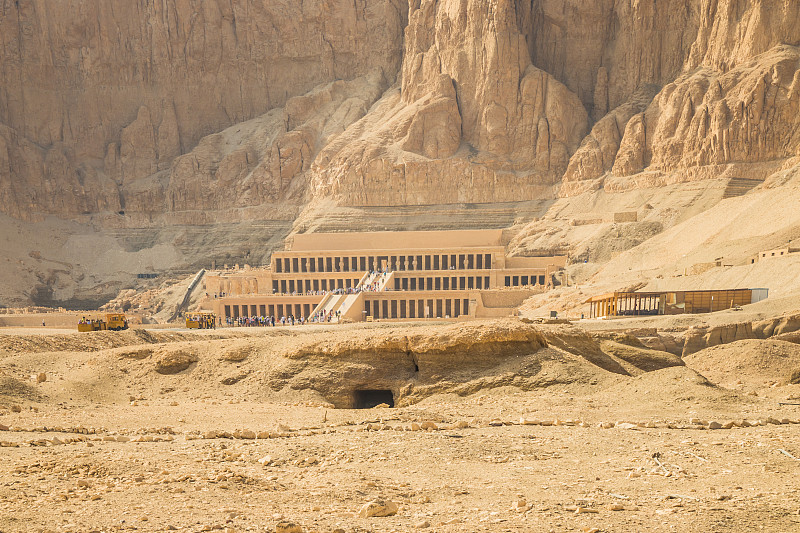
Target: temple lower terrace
column 671, row 303
column 384, row 275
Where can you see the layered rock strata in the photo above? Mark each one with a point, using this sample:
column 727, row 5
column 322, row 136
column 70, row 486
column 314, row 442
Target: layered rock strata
column 177, row 107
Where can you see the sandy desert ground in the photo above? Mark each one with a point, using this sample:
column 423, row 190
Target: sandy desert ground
column 499, row 426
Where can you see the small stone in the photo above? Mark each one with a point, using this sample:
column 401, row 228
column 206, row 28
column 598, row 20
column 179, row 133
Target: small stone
column 461, row 424
column 41, row 377
column 287, row 527
column 378, row 508
column 616, row 507
column 266, row 460
column 496, row 422
column 591, row 530
column 606, row 425
column 428, row 425
column 583, row 510
column 422, row 525
column 247, row 434
column 625, row 425
column 529, row 422
column 714, row 425
column 16, row 408
column 415, row 426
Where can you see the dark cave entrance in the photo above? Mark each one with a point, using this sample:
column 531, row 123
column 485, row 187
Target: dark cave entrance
column 367, row 399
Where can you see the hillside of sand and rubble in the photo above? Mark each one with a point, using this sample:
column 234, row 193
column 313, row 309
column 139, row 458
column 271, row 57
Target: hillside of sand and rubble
column 502, row 425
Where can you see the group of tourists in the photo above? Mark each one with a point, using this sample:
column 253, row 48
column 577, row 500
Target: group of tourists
column 250, row 321
column 291, row 320
column 371, row 287
column 326, row 316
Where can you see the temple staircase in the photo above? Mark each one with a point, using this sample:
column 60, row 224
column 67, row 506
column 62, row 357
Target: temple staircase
column 739, row 187
column 343, row 303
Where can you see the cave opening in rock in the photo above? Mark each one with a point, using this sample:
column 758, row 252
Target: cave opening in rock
column 369, row 398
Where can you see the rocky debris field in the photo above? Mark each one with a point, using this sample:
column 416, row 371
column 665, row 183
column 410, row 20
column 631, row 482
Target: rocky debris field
column 498, row 426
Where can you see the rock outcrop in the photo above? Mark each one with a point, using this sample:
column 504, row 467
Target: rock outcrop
column 727, row 103
column 472, row 120
column 706, row 120
column 261, row 162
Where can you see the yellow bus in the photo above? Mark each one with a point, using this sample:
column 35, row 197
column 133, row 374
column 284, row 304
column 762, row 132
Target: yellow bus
column 200, row 320
column 116, row 321
column 113, row 321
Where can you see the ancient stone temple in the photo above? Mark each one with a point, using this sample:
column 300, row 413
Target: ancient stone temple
column 385, row 275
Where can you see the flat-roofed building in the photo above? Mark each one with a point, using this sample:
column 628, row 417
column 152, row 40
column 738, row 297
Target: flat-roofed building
column 385, row 275
column 778, row 252
column 671, row 302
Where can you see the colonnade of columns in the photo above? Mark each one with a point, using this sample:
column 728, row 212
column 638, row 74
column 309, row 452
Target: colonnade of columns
column 416, row 308
column 363, row 263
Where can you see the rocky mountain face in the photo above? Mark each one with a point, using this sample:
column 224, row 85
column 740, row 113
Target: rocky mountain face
column 98, row 101
column 188, row 108
column 172, row 113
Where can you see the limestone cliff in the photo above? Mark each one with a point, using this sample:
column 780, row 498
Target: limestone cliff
column 183, row 107
column 96, row 96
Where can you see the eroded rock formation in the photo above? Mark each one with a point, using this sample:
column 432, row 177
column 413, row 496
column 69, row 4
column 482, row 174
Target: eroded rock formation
column 176, row 107
column 473, row 119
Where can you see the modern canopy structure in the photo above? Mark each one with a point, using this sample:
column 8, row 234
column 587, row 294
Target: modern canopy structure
column 671, row 302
